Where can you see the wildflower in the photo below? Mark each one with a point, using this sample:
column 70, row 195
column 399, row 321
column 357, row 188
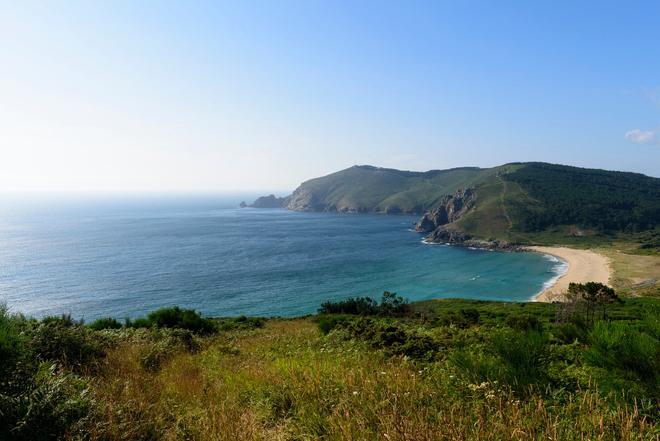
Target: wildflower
column 355, row 392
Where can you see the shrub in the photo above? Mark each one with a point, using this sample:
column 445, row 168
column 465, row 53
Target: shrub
column 175, row 317
column 48, row 409
column 352, row 305
column 524, row 357
column 65, row 342
column 12, row 343
column 524, row 322
column 393, row 338
column 60, row 320
column 569, row 332
column 104, row 323
column 328, row 323
column 390, row 305
column 476, row 368
column 471, row 315
column 462, row 319
column 617, row 345
column 168, row 342
column 241, row 322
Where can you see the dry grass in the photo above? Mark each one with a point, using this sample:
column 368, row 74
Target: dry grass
column 288, row 382
column 633, row 274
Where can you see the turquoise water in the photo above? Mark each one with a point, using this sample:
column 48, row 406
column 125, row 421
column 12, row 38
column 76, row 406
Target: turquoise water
column 124, row 257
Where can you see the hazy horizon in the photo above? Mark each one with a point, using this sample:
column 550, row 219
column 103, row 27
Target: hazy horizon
column 248, row 194
column 134, row 97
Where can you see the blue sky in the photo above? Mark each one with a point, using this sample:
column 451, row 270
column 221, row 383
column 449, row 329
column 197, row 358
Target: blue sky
column 197, row 96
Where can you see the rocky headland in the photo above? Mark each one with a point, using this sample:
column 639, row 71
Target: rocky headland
column 270, row 201
column 439, row 223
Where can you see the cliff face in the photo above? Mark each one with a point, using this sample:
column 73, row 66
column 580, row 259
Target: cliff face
column 450, row 209
column 270, row 201
column 304, row 199
column 439, row 223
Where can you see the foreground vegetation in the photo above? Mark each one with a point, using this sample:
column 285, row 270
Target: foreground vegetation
column 453, row 369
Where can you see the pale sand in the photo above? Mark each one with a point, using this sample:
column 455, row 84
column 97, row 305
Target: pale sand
column 583, row 266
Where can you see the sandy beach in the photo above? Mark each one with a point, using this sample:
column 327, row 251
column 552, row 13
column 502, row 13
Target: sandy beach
column 583, row 266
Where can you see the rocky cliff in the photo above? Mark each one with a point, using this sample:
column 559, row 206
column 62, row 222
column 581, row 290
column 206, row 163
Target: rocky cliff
column 450, row 209
column 440, row 223
column 304, row 199
column 270, row 201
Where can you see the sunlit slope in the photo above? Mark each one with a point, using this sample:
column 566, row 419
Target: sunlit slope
column 372, row 189
column 512, row 201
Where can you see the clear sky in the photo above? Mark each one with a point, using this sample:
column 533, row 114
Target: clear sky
column 187, row 96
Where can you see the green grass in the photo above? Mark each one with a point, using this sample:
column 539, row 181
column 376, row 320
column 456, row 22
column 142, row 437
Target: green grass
column 446, row 369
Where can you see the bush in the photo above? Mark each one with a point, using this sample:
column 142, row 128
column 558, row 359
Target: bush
column 393, row 338
column 355, row 306
column 463, row 319
column 476, row 368
column 241, row 322
column 390, row 305
column 569, row 332
column 524, row 322
column 617, row 345
column 175, row 317
column 61, row 320
column 471, row 315
column 328, row 323
column 168, row 342
column 524, row 356
column 104, row 323
column 47, row 410
column 65, row 342
column 12, row 343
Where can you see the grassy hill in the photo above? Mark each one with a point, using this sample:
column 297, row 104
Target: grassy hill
column 514, row 202
column 450, row 370
column 371, row 189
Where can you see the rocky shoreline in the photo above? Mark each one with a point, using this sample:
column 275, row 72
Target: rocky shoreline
column 437, row 223
column 453, row 237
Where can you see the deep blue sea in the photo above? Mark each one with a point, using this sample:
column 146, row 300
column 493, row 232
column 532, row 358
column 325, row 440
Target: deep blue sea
column 121, row 257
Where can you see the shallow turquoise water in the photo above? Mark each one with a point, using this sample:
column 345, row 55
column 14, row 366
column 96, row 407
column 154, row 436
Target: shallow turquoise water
column 124, row 257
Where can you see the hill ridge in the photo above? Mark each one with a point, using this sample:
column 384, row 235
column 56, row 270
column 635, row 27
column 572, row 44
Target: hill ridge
column 512, row 200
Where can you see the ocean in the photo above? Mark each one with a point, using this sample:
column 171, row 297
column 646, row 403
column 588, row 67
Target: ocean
column 125, row 256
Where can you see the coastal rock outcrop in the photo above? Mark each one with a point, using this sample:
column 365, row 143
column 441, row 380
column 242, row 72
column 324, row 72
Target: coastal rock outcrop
column 440, row 226
column 303, row 199
column 450, row 209
column 270, row 201
column 446, row 234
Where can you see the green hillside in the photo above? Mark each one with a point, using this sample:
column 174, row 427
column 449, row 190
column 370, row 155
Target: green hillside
column 513, row 202
column 372, row 189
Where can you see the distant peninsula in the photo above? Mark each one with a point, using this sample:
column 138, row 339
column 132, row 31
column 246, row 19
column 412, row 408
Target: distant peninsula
column 500, row 207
